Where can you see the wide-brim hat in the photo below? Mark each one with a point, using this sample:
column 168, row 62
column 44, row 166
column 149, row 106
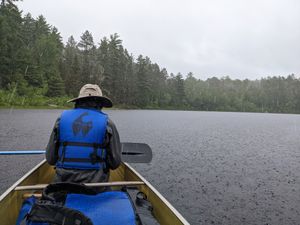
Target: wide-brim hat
column 93, row 91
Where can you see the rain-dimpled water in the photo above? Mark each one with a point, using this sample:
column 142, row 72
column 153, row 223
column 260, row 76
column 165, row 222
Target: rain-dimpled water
column 213, row 167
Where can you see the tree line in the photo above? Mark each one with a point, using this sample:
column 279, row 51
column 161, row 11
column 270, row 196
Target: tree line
column 34, row 61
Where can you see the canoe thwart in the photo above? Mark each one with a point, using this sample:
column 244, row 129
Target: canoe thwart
column 28, row 195
column 104, row 184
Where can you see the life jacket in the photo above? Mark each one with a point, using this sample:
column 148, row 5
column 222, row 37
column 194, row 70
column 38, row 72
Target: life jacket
column 82, row 139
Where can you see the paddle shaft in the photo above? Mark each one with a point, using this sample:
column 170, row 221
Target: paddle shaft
column 23, row 152
column 131, row 152
column 104, row 184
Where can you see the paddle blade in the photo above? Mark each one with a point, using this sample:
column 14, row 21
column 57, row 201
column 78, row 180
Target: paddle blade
column 136, row 152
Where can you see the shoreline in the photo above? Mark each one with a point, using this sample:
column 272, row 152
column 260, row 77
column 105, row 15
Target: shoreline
column 135, row 108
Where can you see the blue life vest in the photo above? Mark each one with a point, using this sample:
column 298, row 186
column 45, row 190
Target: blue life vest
column 81, row 139
column 107, row 208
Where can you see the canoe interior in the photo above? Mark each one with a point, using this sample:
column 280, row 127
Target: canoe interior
column 11, row 201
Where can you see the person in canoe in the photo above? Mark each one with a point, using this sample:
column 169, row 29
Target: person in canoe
column 84, row 144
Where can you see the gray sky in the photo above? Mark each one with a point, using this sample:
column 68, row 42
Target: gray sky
column 239, row 38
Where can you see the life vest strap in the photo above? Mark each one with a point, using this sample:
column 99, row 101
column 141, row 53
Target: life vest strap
column 94, row 157
column 83, row 144
column 81, row 160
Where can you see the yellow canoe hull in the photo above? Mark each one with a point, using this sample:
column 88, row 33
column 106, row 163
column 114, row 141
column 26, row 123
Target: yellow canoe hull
column 11, row 200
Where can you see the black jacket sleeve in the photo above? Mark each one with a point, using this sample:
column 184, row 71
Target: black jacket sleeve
column 53, row 145
column 114, row 146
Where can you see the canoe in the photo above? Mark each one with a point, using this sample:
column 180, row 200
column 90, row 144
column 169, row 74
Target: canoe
column 11, row 200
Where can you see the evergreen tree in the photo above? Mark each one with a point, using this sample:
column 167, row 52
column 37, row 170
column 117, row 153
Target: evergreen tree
column 70, row 68
column 88, row 57
column 143, row 84
column 86, row 42
column 177, row 90
column 33, row 60
column 10, row 44
column 113, row 65
column 56, row 86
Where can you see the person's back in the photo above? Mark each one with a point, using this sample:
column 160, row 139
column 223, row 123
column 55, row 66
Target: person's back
column 84, row 143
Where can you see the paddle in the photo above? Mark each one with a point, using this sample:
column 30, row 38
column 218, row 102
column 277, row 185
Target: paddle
column 136, row 152
column 131, row 152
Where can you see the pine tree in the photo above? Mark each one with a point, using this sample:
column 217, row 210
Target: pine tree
column 143, row 85
column 56, row 86
column 70, row 68
column 10, row 44
column 87, row 56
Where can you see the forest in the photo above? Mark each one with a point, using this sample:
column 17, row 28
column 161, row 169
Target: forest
column 38, row 69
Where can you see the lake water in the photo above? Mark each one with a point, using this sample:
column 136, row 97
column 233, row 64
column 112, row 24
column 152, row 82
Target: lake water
column 214, row 167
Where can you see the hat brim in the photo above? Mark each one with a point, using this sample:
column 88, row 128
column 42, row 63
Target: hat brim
column 105, row 102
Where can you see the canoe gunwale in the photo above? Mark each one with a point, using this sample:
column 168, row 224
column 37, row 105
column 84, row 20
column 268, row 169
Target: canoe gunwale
column 136, row 178
column 165, row 201
column 17, row 183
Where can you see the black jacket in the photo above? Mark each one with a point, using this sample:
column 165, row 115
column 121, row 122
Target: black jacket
column 85, row 176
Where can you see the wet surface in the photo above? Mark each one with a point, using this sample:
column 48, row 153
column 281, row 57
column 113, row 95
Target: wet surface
column 214, row 167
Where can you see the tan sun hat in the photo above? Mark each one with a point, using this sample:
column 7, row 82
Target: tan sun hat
column 93, row 91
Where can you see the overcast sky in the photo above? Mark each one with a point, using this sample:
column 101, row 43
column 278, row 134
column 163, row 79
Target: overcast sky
column 239, row 38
